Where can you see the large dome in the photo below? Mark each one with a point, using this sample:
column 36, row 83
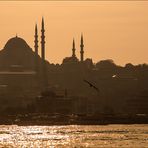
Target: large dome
column 16, row 43
column 17, row 52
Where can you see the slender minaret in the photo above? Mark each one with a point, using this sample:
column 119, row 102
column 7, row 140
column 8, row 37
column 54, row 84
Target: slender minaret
column 36, row 40
column 42, row 40
column 73, row 49
column 44, row 68
column 81, row 49
column 36, row 48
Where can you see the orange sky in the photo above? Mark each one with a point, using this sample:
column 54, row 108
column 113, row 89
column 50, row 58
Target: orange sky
column 115, row 30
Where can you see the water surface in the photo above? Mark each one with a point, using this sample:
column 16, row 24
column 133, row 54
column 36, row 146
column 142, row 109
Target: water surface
column 74, row 136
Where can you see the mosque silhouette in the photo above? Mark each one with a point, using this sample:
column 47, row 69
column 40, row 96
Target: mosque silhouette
column 24, row 75
column 21, row 67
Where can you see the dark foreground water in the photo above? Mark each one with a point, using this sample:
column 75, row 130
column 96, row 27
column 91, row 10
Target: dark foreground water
column 74, row 136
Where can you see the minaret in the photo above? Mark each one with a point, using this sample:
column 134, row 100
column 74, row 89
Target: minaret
column 44, row 68
column 73, row 49
column 36, row 40
column 81, row 49
column 42, row 40
column 36, row 48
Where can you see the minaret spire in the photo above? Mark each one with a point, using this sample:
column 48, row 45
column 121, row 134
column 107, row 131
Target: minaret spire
column 73, row 49
column 44, row 68
column 81, row 49
column 42, row 40
column 36, row 47
column 36, row 40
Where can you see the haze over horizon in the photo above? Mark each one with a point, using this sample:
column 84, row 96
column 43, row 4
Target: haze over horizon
column 115, row 30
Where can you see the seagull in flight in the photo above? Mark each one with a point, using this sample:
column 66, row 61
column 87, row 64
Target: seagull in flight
column 91, row 85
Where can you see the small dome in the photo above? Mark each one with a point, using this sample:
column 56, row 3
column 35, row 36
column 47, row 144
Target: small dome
column 16, row 43
column 70, row 60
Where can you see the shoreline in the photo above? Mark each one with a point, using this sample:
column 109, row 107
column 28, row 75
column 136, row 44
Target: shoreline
column 48, row 120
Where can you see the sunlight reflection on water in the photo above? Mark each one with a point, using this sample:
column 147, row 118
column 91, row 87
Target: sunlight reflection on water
column 74, row 136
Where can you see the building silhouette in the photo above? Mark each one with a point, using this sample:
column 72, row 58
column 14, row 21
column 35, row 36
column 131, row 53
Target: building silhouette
column 24, row 75
column 72, row 59
column 22, row 71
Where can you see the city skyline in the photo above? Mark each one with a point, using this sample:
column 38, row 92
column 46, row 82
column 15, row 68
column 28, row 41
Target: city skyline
column 110, row 31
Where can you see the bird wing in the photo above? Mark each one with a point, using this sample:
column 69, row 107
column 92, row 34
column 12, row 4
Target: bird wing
column 95, row 88
column 91, row 85
column 88, row 82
